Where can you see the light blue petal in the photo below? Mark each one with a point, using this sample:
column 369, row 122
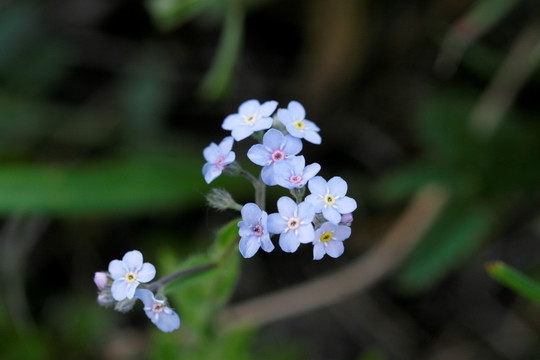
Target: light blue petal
column 342, row 232
column 331, row 214
column 306, row 212
column 248, row 246
column 288, row 242
column 297, row 163
column 133, row 260
column 262, row 124
column 168, row 322
column 334, row 248
column 244, row 229
column 232, row 122
column 147, row 273
column 286, row 206
column 146, row 296
column 312, row 137
column 318, row 251
column 294, row 131
column 210, row 172
column 267, row 108
column 130, row 289
column 310, row 126
column 284, row 116
column 259, row 155
column 292, row 145
column 211, row 153
column 229, row 158
column 249, row 107
column 117, row 269
column 241, row 132
column 266, row 243
column 306, row 234
column 316, row 201
column 251, row 214
column 273, row 139
column 317, row 186
column 119, row 289
column 346, row 205
column 276, row 223
column 337, row 186
column 297, row 110
column 310, row 171
column 268, row 175
column 225, row 146
column 327, row 227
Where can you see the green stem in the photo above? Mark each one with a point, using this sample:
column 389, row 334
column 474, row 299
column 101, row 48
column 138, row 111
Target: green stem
column 260, row 189
column 159, row 284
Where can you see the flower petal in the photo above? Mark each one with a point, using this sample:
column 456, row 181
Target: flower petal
column 168, row 321
column 241, row 132
column 346, row 205
column 211, row 153
column 289, row 242
column 268, row 175
column 266, row 243
column 251, row 214
column 331, row 214
column 117, row 269
column 210, row 172
column 259, row 155
column 273, row 139
column 310, row 171
column 286, row 206
column 334, row 248
column 292, row 145
column 318, row 186
column 232, row 121
column 318, row 251
column 146, row 296
column 337, row 186
column 306, row 234
column 276, row 224
column 133, row 260
column 284, row 116
column 297, row 110
column 225, row 146
column 248, row 246
column 249, row 107
column 130, row 289
column 267, row 108
column 262, row 124
column 312, row 137
column 119, row 289
column 147, row 273
column 342, row 232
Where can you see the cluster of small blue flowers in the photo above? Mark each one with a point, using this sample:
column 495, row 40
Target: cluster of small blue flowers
column 322, row 218
column 121, row 287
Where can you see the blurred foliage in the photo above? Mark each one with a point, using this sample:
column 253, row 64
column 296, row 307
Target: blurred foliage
column 515, row 280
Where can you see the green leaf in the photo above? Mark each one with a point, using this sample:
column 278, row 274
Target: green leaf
column 218, row 79
column 200, row 297
column 455, row 235
column 515, row 280
column 134, row 185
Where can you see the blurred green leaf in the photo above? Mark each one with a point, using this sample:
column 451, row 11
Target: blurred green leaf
column 132, row 185
column 454, row 236
column 515, row 280
column 168, row 14
column 218, row 79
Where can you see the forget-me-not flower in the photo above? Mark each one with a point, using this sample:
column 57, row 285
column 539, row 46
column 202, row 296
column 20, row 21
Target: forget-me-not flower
column 293, row 173
column 329, row 240
column 293, row 223
column 253, row 231
column 128, row 273
column 158, row 312
column 218, row 157
column 252, row 116
column 294, row 119
column 275, row 148
column 329, row 198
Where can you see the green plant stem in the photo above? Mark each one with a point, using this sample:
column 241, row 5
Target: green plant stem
column 260, row 189
column 159, row 284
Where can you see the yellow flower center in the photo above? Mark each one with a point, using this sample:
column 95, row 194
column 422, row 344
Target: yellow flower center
column 131, row 277
column 326, row 237
column 329, row 200
column 299, row 124
column 250, row 119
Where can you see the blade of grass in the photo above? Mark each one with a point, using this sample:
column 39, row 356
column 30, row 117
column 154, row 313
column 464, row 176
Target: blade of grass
column 515, row 280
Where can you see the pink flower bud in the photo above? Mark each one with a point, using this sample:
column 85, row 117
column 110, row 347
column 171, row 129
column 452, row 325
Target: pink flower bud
column 101, row 279
column 347, row 219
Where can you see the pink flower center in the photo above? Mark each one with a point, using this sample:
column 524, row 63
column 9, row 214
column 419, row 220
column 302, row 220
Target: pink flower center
column 277, row 155
column 295, row 179
column 293, row 223
column 157, row 307
column 219, row 163
column 258, row 230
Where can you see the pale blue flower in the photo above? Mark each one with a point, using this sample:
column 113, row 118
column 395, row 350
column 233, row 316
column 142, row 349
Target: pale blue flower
column 128, row 274
column 218, row 157
column 158, row 312
column 275, row 148
column 251, row 117
column 329, row 198
column 293, row 173
column 293, row 223
column 253, row 231
column 329, row 240
column 294, row 119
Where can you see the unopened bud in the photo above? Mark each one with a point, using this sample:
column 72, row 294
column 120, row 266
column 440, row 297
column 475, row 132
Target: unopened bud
column 347, row 219
column 125, row 305
column 233, row 169
column 101, row 279
column 221, row 199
